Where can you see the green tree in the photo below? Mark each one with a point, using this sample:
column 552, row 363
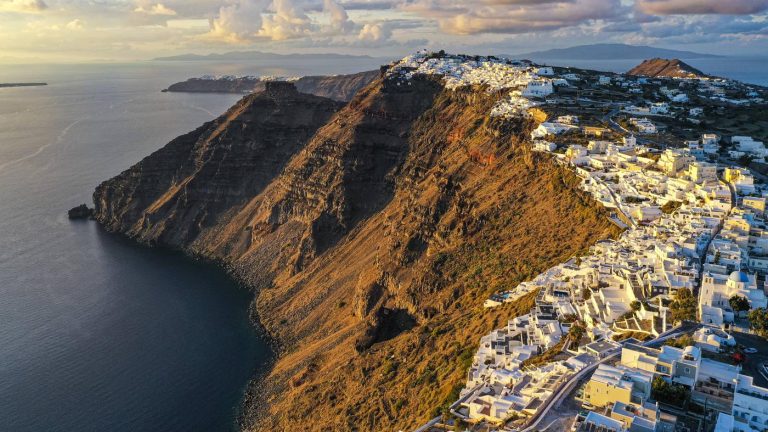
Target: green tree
column 586, row 293
column 575, row 333
column 739, row 304
column 666, row 392
column 635, row 305
column 745, row 160
column 758, row 321
column 680, row 342
column 683, row 307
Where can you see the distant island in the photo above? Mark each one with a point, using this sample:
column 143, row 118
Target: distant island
column 2, row 85
column 610, row 52
column 337, row 87
column 256, row 55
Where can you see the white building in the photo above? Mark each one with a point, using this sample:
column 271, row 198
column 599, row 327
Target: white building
column 659, row 108
column 701, row 172
column 643, row 125
column 548, row 128
column 717, row 290
column 750, row 406
column 673, row 161
column 568, row 119
column 539, row 88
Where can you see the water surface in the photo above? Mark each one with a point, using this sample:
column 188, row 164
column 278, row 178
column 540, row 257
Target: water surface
column 97, row 333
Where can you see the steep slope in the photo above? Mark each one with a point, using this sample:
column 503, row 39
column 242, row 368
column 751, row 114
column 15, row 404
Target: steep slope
column 373, row 249
column 666, row 68
column 337, row 87
column 183, row 188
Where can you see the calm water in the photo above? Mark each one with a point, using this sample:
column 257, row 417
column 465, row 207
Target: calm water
column 97, row 333
column 752, row 70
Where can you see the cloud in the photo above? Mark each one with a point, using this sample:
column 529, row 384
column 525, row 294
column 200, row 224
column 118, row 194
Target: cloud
column 700, row 7
column 513, row 16
column 374, row 33
column 23, row 6
column 75, row 24
column 289, row 21
column 156, row 9
column 237, row 22
column 340, row 21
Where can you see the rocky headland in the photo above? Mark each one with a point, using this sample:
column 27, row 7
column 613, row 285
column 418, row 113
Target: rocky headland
column 337, row 87
column 371, row 233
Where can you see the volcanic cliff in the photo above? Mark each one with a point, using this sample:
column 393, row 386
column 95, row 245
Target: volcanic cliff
column 370, row 232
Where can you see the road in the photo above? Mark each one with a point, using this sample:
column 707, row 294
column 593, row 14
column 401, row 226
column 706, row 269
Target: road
column 568, row 386
column 608, row 118
column 752, row 365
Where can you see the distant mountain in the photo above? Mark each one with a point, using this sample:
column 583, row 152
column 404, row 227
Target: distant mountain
column 255, row 55
column 609, row 52
column 666, row 68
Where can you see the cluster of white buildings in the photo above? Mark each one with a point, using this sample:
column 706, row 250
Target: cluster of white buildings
column 685, row 228
column 622, row 399
column 747, row 146
column 523, row 81
column 684, row 231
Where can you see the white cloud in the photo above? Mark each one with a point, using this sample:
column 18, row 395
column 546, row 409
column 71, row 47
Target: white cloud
column 155, row 9
column 23, row 6
column 288, row 22
column 75, row 24
column 374, row 33
column 340, row 21
column 237, row 22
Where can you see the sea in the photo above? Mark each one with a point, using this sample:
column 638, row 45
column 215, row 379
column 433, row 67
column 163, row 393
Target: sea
column 96, row 332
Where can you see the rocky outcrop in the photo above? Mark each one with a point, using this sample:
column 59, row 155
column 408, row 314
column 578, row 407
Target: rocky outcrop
column 666, row 68
column 80, row 212
column 371, row 235
column 337, row 87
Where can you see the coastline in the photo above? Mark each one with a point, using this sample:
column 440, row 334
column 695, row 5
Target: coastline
column 254, row 391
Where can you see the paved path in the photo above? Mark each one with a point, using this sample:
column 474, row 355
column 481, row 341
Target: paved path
column 565, row 388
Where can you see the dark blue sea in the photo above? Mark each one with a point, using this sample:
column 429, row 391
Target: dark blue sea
column 97, row 333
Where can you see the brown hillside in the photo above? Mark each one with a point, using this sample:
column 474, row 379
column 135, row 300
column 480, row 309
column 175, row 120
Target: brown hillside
column 666, row 68
column 372, row 249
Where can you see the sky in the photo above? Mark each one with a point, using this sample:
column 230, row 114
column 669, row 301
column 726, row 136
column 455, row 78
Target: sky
column 127, row 30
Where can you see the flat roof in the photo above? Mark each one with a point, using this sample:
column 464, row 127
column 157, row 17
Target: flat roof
column 602, row 346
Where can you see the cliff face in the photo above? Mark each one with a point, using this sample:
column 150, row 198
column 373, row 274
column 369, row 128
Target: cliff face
column 372, row 240
column 187, row 186
column 337, row 87
column 666, row 68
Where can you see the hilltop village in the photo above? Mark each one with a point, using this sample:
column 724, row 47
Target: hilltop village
column 661, row 328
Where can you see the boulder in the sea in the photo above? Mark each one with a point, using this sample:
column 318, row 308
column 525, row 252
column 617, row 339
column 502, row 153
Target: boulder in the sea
column 80, row 212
